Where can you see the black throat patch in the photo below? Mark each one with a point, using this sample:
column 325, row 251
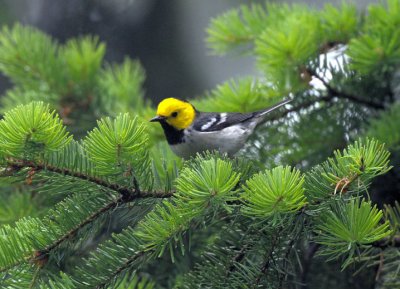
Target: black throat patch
column 173, row 135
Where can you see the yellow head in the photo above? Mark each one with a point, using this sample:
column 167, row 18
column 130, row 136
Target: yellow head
column 177, row 113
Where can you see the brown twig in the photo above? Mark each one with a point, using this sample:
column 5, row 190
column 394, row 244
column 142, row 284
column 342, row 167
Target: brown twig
column 237, row 259
column 110, row 206
column 268, row 258
column 380, row 266
column 286, row 256
column 43, row 253
column 342, row 94
column 303, row 105
column 124, row 266
column 128, row 193
column 332, row 93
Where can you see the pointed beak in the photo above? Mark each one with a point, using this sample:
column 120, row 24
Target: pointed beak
column 157, row 118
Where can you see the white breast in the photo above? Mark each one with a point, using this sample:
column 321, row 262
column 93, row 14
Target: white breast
column 228, row 140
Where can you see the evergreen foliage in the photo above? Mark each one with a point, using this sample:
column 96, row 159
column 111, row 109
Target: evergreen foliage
column 119, row 147
column 113, row 208
column 25, row 127
column 277, row 191
column 347, row 227
column 385, row 127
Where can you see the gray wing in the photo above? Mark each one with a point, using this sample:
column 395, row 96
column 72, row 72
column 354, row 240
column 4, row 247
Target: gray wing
column 212, row 121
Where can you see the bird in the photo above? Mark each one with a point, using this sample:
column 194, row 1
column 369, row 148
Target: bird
column 189, row 131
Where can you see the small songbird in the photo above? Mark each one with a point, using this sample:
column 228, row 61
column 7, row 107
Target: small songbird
column 189, row 131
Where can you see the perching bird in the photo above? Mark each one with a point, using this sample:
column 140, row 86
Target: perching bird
column 189, row 131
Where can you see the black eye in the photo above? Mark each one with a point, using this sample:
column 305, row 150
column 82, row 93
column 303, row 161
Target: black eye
column 174, row 114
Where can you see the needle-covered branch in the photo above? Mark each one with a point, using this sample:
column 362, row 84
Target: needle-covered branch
column 33, row 238
column 128, row 194
column 334, row 92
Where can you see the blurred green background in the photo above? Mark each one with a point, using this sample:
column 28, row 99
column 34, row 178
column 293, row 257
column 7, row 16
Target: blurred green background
column 166, row 36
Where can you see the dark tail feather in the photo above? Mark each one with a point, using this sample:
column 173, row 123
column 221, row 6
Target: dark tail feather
column 272, row 108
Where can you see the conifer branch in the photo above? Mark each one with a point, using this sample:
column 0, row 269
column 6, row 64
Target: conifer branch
column 42, row 254
column 108, row 207
column 126, row 265
column 290, row 245
column 238, row 258
column 34, row 278
column 4, row 269
column 333, row 92
column 267, row 260
column 303, row 105
column 128, row 194
column 387, row 242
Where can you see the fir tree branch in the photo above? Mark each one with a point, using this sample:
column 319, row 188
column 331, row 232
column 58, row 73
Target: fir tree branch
column 237, row 259
column 290, row 245
column 333, row 92
column 4, row 269
column 34, row 278
column 303, row 105
column 268, row 257
column 126, row 265
column 42, row 254
column 387, row 242
column 108, row 207
column 293, row 239
column 380, row 266
column 128, row 194
column 331, row 95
